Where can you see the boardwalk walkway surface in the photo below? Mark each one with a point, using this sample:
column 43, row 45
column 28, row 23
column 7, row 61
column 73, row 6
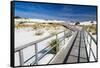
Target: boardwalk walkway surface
column 80, row 48
column 77, row 52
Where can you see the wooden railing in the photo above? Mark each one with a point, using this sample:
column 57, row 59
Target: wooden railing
column 90, row 41
column 91, row 46
column 35, row 44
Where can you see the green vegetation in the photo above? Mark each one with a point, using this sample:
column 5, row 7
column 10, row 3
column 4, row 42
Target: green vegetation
column 39, row 32
column 67, row 35
column 53, row 32
column 77, row 23
column 90, row 28
column 53, row 43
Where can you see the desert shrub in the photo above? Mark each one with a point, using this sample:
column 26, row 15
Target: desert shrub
column 89, row 30
column 54, row 42
column 35, row 27
column 77, row 23
column 39, row 32
column 47, row 28
column 53, row 33
column 67, row 35
column 94, row 33
column 16, row 26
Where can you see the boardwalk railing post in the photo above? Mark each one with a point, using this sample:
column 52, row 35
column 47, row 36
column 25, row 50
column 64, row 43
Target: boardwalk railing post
column 90, row 48
column 36, row 54
column 56, row 36
column 87, row 37
column 22, row 61
column 21, row 58
column 64, row 37
column 57, row 47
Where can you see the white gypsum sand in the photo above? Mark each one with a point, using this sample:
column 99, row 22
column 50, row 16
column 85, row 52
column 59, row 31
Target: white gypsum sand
column 27, row 35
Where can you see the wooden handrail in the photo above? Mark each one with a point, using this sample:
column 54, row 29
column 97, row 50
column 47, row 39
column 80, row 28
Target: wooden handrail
column 92, row 37
column 37, row 41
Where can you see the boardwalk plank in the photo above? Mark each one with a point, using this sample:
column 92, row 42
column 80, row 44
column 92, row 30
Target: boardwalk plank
column 78, row 54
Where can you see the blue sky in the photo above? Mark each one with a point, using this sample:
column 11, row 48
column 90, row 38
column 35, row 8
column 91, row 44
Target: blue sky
column 55, row 11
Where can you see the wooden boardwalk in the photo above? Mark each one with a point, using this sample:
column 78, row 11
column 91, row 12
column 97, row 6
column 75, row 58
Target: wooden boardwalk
column 77, row 52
